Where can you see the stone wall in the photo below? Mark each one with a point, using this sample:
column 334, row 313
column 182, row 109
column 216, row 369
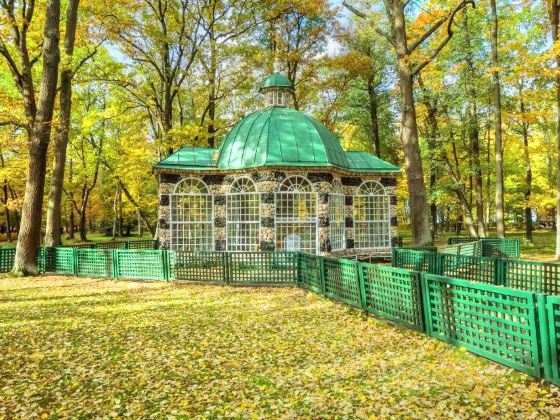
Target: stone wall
column 268, row 182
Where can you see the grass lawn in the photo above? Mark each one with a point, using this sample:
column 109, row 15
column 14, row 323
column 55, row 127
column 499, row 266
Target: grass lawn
column 92, row 237
column 89, row 348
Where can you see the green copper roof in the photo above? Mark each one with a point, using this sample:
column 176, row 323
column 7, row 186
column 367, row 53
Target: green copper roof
column 280, row 137
column 275, row 137
column 366, row 162
column 189, row 158
column 276, row 80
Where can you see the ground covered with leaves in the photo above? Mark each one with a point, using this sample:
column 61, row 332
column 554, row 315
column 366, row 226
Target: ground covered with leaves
column 83, row 347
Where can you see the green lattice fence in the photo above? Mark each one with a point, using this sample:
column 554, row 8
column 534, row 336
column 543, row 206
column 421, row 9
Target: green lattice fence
column 550, row 326
column 94, row 262
column 500, row 248
column 413, row 260
column 208, row 267
column 342, row 281
column 262, row 267
column 533, row 276
column 393, row 293
column 140, row 264
column 454, row 240
column 494, row 322
column 143, row 244
column 7, row 256
column 309, row 272
column 111, row 245
column 464, row 267
column 62, row 260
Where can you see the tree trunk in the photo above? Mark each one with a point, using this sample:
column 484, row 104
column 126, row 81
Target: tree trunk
column 7, row 212
column 115, row 212
column 474, row 135
column 72, row 224
column 500, row 226
column 39, row 135
column 554, row 14
column 373, row 115
column 52, row 233
column 419, row 210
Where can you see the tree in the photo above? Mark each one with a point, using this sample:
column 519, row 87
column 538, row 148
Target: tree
column 407, row 69
column 52, row 233
column 500, row 227
column 38, row 110
column 554, row 15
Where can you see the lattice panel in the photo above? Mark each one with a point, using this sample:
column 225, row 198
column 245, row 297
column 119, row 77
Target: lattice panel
column 533, row 276
column 500, row 248
column 143, row 244
column 111, row 245
column 468, row 268
column 7, row 256
column 497, row 323
column 309, row 275
column 198, row 266
column 263, row 267
column 553, row 324
column 342, row 281
column 64, row 260
column 140, row 264
column 394, row 294
column 408, row 259
column 94, row 262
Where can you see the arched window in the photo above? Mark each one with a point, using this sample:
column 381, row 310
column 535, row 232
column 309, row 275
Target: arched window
column 242, row 216
column 296, row 216
column 372, row 216
column 191, row 216
column 336, row 217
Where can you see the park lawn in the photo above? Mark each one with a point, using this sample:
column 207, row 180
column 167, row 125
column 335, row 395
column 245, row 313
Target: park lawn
column 74, row 347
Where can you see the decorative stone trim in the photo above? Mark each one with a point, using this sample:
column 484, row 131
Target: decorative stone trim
column 349, row 222
column 351, row 181
column 393, row 199
column 315, row 177
column 324, row 221
column 348, row 200
column 213, row 179
column 164, row 200
column 388, row 181
column 220, row 200
column 163, row 224
column 267, row 198
column 394, row 221
column 169, row 178
column 220, row 222
column 267, row 222
column 323, row 198
column 220, row 245
column 267, row 246
column 350, row 243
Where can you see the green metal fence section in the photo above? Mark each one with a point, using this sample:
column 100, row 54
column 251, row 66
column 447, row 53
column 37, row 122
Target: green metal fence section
column 392, row 293
column 7, row 256
column 147, row 244
column 533, row 276
column 497, row 323
column 550, row 333
column 454, row 240
column 262, row 268
column 465, row 267
column 206, row 267
column 94, row 262
column 310, row 269
column 414, row 260
column 140, row 264
column 342, row 281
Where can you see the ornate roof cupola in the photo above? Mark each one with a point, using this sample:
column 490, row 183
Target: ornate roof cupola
column 277, row 90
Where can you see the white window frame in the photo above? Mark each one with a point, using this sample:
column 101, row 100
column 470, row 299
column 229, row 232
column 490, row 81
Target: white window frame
column 377, row 195
column 337, row 228
column 174, row 225
column 250, row 225
column 311, row 222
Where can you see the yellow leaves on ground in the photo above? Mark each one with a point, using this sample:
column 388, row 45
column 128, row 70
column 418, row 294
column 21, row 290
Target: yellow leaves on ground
column 84, row 347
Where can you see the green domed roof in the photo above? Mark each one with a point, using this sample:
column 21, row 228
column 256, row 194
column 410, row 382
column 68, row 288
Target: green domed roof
column 280, row 137
column 276, row 80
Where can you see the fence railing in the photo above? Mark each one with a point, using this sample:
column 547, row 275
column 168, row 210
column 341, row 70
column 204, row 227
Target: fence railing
column 533, row 276
column 485, row 247
column 518, row 328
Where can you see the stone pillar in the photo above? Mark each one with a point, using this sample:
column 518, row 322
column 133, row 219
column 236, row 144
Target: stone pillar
column 167, row 184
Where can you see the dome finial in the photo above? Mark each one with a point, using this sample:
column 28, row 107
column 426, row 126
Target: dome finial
column 277, row 65
column 277, row 90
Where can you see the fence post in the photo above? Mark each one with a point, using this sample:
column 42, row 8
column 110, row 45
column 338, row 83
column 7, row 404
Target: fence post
column 544, row 337
column 425, row 290
column 115, row 255
column 500, row 272
column 75, row 260
column 227, row 267
column 362, row 285
column 164, row 265
column 298, row 268
column 322, row 275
